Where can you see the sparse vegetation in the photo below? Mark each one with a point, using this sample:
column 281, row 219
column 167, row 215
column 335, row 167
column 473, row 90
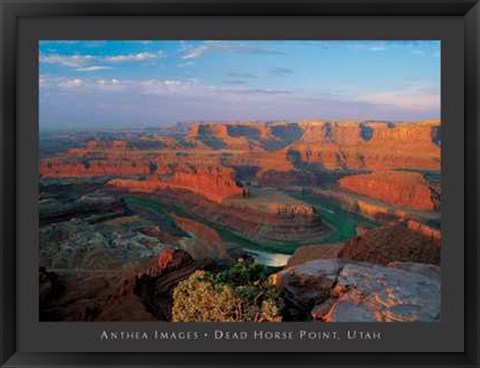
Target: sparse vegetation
column 242, row 293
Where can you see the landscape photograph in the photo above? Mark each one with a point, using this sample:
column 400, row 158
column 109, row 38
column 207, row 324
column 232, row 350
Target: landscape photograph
column 239, row 181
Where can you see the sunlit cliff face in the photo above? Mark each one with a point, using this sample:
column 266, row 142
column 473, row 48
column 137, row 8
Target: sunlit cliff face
column 211, row 158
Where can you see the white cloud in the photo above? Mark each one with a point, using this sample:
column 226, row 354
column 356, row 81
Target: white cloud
column 71, row 83
column 411, row 98
column 141, row 56
column 75, row 61
column 111, row 81
column 193, row 52
column 415, row 97
column 168, row 87
column 112, row 85
column 84, row 62
column 93, row 68
column 192, row 88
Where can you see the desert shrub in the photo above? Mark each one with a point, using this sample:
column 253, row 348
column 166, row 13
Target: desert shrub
column 240, row 294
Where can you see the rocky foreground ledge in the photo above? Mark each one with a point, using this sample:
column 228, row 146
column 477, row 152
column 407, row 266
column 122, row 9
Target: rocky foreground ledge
column 336, row 290
column 324, row 290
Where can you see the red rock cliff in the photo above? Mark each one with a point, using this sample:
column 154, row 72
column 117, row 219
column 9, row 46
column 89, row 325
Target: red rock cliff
column 343, row 145
column 213, row 183
column 96, row 159
column 374, row 146
column 398, row 188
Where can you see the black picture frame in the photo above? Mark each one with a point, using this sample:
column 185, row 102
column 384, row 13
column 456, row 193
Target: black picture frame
column 11, row 14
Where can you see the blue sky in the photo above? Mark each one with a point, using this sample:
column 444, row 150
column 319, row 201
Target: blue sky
column 127, row 84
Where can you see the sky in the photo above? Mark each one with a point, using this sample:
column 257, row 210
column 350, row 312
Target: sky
column 87, row 85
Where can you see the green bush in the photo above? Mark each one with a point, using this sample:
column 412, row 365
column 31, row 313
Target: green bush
column 240, row 294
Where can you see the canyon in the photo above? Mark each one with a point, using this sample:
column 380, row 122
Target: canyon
column 125, row 216
column 219, row 160
column 351, row 145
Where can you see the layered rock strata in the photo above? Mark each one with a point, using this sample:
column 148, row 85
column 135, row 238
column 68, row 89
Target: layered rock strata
column 408, row 189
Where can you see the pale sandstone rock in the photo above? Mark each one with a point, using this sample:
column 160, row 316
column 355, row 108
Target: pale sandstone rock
column 333, row 290
column 386, row 294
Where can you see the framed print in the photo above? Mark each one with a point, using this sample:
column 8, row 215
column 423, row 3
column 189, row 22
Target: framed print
column 221, row 183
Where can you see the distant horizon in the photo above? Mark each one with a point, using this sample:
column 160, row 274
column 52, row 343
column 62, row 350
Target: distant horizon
column 144, row 126
column 95, row 85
